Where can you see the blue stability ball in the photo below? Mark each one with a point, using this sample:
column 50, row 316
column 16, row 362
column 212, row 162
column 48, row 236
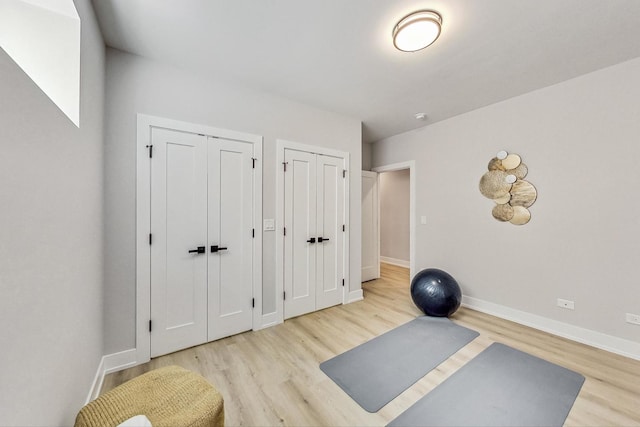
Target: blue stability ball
column 436, row 292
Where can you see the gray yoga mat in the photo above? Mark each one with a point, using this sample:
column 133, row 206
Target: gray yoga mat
column 501, row 386
column 379, row 370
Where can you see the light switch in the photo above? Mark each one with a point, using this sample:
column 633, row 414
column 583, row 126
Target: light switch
column 423, row 219
column 269, row 224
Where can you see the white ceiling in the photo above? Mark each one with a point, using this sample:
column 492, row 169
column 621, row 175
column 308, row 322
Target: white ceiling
column 338, row 55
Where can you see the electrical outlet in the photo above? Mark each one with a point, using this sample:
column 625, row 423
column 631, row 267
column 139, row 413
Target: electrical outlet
column 565, row 303
column 633, row 318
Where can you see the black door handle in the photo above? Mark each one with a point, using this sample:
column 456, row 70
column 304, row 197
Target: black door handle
column 198, row 250
column 322, row 239
column 215, row 248
column 311, row 240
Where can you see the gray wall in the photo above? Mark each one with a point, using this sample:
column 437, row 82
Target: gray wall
column 136, row 85
column 393, row 198
column 50, row 242
column 367, row 153
column 579, row 139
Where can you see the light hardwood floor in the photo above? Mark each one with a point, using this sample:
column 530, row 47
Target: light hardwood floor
column 271, row 377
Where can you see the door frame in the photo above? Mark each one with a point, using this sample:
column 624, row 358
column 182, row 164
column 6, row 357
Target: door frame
column 143, row 219
column 282, row 145
column 376, row 209
column 411, row 165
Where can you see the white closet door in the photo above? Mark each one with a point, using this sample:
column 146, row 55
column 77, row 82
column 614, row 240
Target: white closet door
column 370, row 231
column 299, row 241
column 179, row 227
column 330, row 238
column 230, row 238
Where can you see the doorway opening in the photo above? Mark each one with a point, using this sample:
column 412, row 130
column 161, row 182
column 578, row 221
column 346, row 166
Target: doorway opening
column 394, row 217
column 397, row 214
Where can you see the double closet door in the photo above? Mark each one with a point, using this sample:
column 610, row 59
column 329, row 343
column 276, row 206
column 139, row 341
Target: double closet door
column 314, row 222
column 201, row 239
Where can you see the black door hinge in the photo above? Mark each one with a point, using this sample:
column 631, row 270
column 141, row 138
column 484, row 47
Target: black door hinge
column 342, row 282
column 285, row 165
column 344, row 227
column 253, row 233
column 285, row 231
column 284, row 295
column 344, row 173
column 253, row 302
column 253, row 162
column 150, row 147
column 150, row 238
column 149, row 325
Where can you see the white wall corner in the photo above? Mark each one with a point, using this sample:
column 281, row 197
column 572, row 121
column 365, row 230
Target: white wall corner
column 599, row 340
column 43, row 38
column 96, row 386
column 112, row 363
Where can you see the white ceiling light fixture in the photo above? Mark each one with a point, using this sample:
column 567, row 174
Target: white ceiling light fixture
column 417, row 30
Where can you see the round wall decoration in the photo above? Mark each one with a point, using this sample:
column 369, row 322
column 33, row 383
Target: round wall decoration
column 493, row 184
column 496, row 165
column 503, row 212
column 504, row 184
column 512, row 161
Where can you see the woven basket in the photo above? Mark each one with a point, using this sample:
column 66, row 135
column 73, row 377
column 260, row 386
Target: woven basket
column 169, row 397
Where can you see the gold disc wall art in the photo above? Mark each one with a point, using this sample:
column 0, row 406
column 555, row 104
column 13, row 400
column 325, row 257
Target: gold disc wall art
column 504, row 184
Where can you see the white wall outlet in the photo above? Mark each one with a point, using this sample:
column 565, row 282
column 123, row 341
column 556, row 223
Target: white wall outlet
column 565, row 303
column 269, row 225
column 633, row 318
column 423, row 219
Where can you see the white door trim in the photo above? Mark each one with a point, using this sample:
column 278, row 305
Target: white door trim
column 411, row 165
column 143, row 219
column 376, row 213
column 282, row 145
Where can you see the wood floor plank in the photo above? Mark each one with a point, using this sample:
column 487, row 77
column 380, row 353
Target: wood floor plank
column 272, row 376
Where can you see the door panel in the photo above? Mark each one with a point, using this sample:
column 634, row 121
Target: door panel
column 300, row 221
column 230, row 227
column 370, row 239
column 314, row 240
column 330, row 218
column 178, row 224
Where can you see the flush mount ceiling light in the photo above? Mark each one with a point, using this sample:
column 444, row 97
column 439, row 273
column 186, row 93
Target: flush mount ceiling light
column 417, row 30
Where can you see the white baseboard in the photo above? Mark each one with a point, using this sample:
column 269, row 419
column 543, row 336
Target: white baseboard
column 268, row 320
column 111, row 363
column 118, row 361
column 96, row 386
column 354, row 296
column 599, row 340
column 394, row 261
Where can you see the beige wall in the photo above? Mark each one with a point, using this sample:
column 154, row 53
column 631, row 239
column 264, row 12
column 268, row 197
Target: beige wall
column 393, row 193
column 580, row 140
column 51, row 218
column 136, row 85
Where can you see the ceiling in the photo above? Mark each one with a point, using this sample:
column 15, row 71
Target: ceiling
column 338, row 55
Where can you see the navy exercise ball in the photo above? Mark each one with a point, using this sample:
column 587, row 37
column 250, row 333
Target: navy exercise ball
column 436, row 292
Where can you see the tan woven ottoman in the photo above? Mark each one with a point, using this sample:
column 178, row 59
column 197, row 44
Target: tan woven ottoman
column 169, row 397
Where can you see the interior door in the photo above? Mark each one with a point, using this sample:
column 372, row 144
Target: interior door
column 179, row 229
column 300, row 236
column 314, row 239
column 370, row 230
column 329, row 234
column 230, row 237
